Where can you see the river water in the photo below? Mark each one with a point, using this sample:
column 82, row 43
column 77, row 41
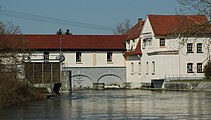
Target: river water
column 115, row 104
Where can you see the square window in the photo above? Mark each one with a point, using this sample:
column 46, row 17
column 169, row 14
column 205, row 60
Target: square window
column 190, row 68
column 189, row 48
column 109, row 56
column 162, row 42
column 46, row 57
column 78, row 57
column 199, row 48
column 199, row 68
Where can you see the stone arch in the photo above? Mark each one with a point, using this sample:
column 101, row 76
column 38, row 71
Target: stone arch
column 81, row 81
column 109, row 79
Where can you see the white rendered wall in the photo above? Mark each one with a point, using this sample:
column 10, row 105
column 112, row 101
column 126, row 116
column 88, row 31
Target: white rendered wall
column 172, row 65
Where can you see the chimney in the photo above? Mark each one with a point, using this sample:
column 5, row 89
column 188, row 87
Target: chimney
column 140, row 20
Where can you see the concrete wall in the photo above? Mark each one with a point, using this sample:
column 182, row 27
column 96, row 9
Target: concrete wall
column 84, row 77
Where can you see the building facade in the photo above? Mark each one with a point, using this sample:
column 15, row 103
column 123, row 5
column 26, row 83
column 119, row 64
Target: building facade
column 167, row 55
column 132, row 56
column 163, row 47
column 84, row 59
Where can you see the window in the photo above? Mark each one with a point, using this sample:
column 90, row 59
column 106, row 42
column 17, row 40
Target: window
column 199, row 68
column 162, row 42
column 144, row 44
column 132, row 68
column 109, row 57
column 189, row 48
column 199, row 48
column 190, row 68
column 139, row 68
column 127, row 45
column 46, row 57
column 153, row 68
column 78, row 57
column 147, row 68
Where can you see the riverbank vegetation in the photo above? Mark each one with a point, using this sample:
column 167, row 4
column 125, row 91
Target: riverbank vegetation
column 13, row 87
column 15, row 91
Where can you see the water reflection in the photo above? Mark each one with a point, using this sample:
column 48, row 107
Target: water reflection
column 118, row 104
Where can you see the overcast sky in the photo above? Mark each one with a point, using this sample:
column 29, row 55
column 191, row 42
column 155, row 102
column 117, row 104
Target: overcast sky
column 80, row 16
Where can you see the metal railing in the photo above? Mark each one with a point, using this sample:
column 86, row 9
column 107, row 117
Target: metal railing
column 183, row 77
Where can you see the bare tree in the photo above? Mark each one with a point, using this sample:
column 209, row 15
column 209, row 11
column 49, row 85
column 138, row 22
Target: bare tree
column 196, row 7
column 123, row 27
column 12, row 49
column 200, row 7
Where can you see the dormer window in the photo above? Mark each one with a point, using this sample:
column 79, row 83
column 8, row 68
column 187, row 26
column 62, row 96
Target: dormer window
column 147, row 39
column 128, row 45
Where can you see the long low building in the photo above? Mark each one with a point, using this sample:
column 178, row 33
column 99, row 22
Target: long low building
column 84, row 59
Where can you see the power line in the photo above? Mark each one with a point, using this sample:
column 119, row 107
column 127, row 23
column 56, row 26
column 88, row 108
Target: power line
column 27, row 16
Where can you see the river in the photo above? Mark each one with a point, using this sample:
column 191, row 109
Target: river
column 115, row 104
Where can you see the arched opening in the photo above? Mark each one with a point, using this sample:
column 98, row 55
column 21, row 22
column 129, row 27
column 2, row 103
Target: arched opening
column 81, row 81
column 111, row 81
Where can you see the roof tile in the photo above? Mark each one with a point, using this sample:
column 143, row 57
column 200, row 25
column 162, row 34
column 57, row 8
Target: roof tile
column 169, row 24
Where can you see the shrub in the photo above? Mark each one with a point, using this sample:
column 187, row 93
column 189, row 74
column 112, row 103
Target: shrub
column 207, row 70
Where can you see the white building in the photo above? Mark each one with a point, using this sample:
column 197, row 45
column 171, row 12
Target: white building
column 132, row 56
column 88, row 58
column 150, row 52
column 167, row 55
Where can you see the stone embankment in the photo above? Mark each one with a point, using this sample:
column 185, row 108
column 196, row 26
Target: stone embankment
column 180, row 85
column 204, row 86
column 196, row 86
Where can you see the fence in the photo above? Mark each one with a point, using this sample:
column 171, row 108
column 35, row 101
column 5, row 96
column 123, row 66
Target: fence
column 183, row 77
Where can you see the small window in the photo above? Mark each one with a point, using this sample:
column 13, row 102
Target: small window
column 139, row 68
column 199, row 48
column 128, row 45
column 153, row 68
column 189, row 48
column 199, row 68
column 46, row 57
column 162, row 42
column 144, row 44
column 78, row 57
column 147, row 68
column 132, row 68
column 109, row 57
column 190, row 68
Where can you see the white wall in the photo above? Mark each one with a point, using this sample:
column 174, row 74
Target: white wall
column 172, row 65
column 88, row 58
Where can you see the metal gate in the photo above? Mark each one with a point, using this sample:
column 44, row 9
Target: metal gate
column 45, row 72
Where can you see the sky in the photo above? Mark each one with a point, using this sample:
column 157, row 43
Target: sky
column 80, row 16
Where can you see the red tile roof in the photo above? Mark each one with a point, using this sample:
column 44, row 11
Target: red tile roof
column 137, row 51
column 75, row 42
column 135, row 31
column 168, row 24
